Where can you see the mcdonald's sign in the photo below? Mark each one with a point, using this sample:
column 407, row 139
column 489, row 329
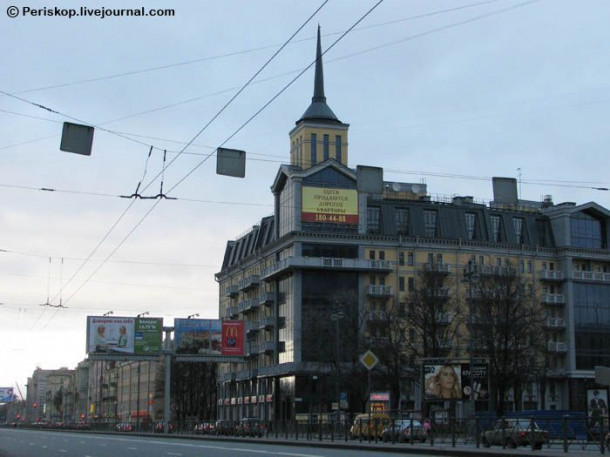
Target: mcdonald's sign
column 233, row 337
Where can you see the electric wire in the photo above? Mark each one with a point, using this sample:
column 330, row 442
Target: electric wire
column 245, row 51
column 171, row 162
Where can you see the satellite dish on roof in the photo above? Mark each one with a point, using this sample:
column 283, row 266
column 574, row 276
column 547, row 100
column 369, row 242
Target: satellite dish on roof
column 396, row 187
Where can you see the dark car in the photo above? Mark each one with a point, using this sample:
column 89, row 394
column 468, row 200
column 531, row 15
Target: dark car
column 224, row 427
column 404, row 430
column 250, row 426
column 515, row 432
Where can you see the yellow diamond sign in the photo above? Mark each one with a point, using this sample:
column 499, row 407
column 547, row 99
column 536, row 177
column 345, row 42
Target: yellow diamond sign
column 369, row 360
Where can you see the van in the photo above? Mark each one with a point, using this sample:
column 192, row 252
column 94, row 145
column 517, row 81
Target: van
column 362, row 428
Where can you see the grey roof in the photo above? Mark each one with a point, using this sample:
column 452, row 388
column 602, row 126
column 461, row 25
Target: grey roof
column 319, row 110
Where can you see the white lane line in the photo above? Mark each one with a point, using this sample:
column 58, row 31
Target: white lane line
column 131, row 448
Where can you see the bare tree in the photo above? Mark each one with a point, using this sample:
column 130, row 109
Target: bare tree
column 506, row 327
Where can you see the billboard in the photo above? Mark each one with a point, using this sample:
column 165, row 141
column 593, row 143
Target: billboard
column 198, row 336
column 327, row 205
column 127, row 335
column 456, row 381
column 233, row 338
column 597, row 405
column 6, row 395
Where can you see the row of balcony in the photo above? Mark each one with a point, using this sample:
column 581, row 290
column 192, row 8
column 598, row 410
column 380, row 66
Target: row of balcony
column 292, row 263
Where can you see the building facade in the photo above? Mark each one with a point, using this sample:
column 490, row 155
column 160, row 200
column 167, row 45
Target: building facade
column 344, row 246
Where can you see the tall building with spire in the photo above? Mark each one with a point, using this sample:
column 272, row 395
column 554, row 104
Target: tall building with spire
column 333, row 271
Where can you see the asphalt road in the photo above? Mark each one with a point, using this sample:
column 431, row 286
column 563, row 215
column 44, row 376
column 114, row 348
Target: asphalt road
column 36, row 443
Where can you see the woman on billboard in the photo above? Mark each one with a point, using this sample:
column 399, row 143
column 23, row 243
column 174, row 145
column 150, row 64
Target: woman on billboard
column 444, row 384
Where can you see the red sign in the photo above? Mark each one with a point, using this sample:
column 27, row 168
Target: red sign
column 233, row 337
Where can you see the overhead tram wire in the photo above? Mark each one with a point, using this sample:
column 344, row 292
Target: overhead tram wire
column 171, row 162
column 375, row 48
column 246, row 51
column 124, row 240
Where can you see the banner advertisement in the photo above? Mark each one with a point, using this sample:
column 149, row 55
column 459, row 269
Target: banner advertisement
column 327, row 205
column 6, row 395
column 456, row 381
column 597, row 406
column 233, row 338
column 128, row 335
column 198, row 336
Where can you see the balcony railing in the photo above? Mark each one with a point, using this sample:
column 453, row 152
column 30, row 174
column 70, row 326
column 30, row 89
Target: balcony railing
column 231, row 290
column 266, row 322
column 231, row 312
column 337, row 263
column 555, row 322
column 551, row 275
column 438, row 268
column 252, row 326
column 247, row 305
column 266, row 298
column 249, row 282
column 379, row 291
column 591, row 276
column 553, row 299
column 557, row 346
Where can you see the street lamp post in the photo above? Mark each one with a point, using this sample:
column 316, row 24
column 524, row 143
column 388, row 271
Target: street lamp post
column 336, row 317
column 145, row 313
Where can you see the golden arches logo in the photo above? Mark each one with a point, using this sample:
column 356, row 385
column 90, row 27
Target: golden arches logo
column 231, row 335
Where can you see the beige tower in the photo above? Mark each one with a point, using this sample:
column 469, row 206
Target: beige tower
column 318, row 135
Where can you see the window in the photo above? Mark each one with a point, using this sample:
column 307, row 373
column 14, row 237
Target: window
column 496, row 232
column 411, row 284
column 372, row 255
column 430, row 257
column 518, row 226
column 410, row 260
column 373, row 280
column 402, row 221
column 338, row 153
column 401, row 284
column 470, row 221
column 381, row 255
column 530, row 266
column 522, row 266
column 373, row 214
column 401, row 258
column 586, row 231
column 430, row 223
column 439, row 258
column 314, row 148
column 325, row 143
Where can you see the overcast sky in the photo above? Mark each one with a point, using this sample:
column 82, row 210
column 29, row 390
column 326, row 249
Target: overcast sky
column 450, row 93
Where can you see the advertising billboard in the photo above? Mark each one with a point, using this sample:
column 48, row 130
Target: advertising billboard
column 127, row 335
column 198, row 336
column 6, row 395
column 327, row 205
column 597, row 406
column 233, row 338
column 456, row 381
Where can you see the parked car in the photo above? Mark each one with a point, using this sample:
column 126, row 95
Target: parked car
column 123, row 427
column 204, row 428
column 515, row 432
column 361, row 428
column 224, row 427
column 405, row 430
column 608, row 440
column 160, row 427
column 250, row 426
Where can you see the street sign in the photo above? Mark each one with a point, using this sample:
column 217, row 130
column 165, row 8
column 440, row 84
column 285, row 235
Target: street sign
column 369, row 360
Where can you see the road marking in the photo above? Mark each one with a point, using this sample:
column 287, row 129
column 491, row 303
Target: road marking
column 131, row 448
column 174, row 453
